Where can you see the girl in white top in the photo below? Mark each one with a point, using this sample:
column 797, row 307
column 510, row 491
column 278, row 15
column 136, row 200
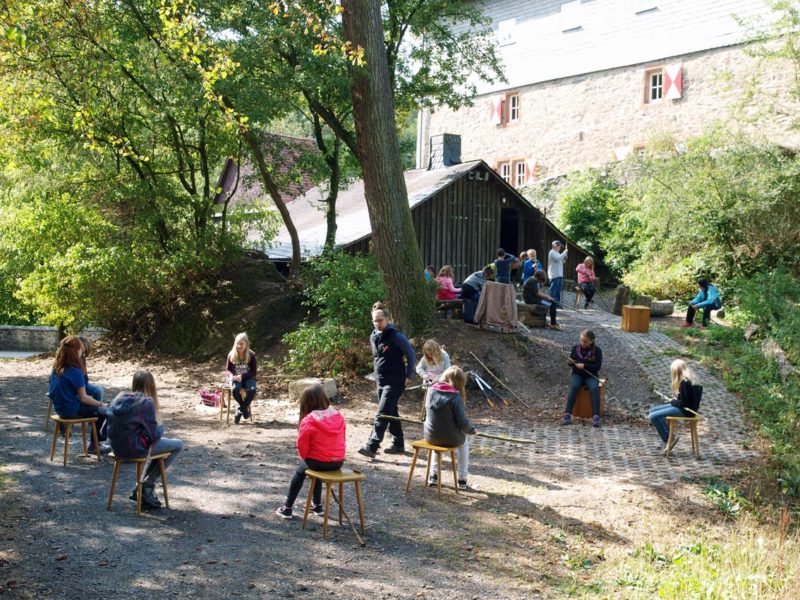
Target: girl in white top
column 433, row 363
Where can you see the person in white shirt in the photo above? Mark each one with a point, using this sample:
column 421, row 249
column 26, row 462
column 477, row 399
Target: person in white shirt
column 555, row 269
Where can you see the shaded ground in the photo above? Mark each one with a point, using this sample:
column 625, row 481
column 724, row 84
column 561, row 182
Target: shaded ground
column 539, row 524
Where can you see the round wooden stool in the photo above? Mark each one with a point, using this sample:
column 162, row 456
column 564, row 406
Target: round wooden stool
column 440, row 450
column 68, row 423
column 139, row 462
column 341, row 477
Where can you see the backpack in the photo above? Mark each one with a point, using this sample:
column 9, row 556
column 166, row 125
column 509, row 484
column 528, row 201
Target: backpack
column 132, row 426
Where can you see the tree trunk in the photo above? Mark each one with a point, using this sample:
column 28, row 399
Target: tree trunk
column 393, row 238
column 258, row 154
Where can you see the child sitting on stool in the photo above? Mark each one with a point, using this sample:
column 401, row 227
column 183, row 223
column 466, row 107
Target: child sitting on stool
column 585, row 359
column 320, row 444
column 446, row 421
column 686, row 386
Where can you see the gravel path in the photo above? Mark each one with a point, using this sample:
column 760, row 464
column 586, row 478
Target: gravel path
column 221, row 539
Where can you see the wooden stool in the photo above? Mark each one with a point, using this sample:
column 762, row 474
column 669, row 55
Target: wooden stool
column 583, row 403
column 341, row 477
column 49, row 411
column 693, row 421
column 68, row 423
column 635, row 319
column 578, row 296
column 423, row 445
column 226, row 399
column 139, row 468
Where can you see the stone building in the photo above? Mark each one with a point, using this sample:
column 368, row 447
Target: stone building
column 590, row 81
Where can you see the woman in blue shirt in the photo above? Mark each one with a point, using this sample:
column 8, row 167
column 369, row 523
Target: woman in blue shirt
column 707, row 299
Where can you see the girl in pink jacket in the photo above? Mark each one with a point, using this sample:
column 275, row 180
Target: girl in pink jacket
column 446, row 291
column 320, row 444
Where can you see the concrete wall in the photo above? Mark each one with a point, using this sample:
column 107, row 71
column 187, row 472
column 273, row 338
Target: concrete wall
column 36, row 339
column 596, row 118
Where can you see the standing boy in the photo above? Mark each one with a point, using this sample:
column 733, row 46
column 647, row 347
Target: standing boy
column 555, row 269
column 389, row 349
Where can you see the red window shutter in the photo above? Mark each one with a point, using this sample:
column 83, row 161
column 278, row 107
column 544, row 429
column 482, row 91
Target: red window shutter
column 673, row 81
column 496, row 110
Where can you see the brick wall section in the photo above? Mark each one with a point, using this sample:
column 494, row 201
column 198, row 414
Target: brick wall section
column 581, row 121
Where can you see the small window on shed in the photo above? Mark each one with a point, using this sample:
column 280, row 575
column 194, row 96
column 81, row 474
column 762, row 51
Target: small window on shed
column 654, row 85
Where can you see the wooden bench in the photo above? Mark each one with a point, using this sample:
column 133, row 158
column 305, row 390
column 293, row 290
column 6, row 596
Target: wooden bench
column 68, row 423
column 692, row 421
column 139, row 462
column 341, row 477
column 440, row 450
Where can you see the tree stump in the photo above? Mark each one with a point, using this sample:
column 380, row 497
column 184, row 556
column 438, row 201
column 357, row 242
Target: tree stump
column 621, row 299
column 662, row 308
column 644, row 301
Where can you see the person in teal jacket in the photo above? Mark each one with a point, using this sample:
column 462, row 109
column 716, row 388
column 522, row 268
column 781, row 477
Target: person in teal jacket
column 707, row 299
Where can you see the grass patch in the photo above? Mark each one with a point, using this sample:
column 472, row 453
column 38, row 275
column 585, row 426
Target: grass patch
column 748, row 562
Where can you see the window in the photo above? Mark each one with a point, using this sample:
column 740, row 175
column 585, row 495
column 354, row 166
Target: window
column 505, row 172
column 513, row 108
column 654, row 90
column 519, row 174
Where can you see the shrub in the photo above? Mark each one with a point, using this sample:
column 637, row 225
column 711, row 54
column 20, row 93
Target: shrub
column 341, row 289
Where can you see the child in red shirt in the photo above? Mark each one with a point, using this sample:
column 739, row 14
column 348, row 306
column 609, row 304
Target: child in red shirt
column 320, row 444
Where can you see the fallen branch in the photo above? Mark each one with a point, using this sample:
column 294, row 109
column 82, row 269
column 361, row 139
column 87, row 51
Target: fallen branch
column 502, row 438
column 499, row 381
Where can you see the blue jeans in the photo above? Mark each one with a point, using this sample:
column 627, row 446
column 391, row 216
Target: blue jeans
column 250, row 392
column 576, row 381
column 170, row 445
column 300, row 476
column 556, row 284
column 658, row 417
column 388, row 397
column 95, row 391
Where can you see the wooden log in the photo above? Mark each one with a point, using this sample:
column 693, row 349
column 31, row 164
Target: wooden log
column 621, row 299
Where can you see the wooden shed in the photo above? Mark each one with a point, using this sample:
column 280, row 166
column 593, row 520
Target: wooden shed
column 462, row 214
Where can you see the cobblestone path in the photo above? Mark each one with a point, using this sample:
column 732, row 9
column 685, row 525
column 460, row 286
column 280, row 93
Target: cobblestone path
column 631, row 452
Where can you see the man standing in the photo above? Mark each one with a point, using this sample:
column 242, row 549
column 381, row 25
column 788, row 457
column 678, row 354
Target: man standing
column 389, row 348
column 555, row 269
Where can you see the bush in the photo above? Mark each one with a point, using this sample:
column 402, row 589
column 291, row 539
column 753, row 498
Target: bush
column 341, row 289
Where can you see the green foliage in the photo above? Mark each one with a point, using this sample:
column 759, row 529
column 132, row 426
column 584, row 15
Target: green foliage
column 725, row 499
column 590, row 206
column 342, row 289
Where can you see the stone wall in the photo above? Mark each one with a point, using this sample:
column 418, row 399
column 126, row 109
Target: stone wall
column 596, row 118
column 36, row 339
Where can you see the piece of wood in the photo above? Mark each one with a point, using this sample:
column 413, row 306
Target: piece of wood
column 635, row 319
column 621, row 299
column 498, row 379
column 489, row 436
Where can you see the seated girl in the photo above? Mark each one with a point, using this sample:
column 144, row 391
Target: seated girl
column 688, row 393
column 446, row 421
column 587, row 280
column 135, row 430
column 241, row 365
column 446, row 291
column 320, row 444
column 433, row 363
column 67, row 387
column 585, row 359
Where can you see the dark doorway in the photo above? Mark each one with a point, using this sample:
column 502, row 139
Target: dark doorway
column 509, row 230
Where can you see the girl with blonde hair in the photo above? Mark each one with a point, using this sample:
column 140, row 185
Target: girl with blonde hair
column 586, row 280
column 241, row 365
column 446, row 421
column 688, row 393
column 433, row 363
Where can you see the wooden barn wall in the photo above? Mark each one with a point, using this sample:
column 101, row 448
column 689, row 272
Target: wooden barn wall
column 460, row 226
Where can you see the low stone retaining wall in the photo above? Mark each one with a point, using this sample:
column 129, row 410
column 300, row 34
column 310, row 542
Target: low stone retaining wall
column 30, row 338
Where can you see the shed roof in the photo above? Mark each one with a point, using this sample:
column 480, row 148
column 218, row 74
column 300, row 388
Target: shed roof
column 352, row 216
